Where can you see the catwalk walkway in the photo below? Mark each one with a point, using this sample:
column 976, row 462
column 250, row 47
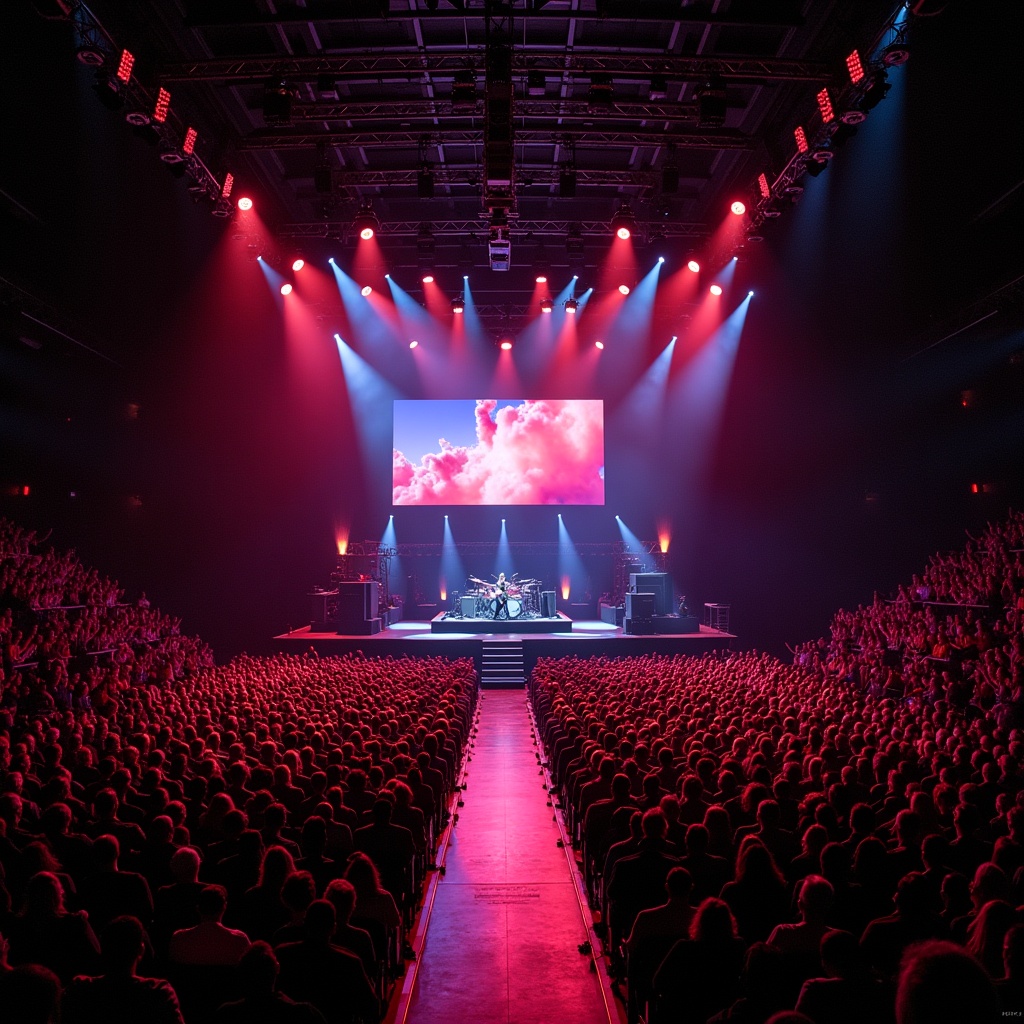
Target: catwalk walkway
column 501, row 946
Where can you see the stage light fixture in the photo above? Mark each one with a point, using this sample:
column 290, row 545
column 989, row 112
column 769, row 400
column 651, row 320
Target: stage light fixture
column 298, row 264
column 188, row 147
column 541, row 279
column 330, row 259
column 623, row 289
column 428, row 278
column 414, row 344
column 762, row 184
column 693, row 266
column 458, row 305
column 464, row 91
column 277, row 101
column 855, row 67
column 661, row 259
column 366, row 222
column 825, row 107
column 716, row 289
column 546, row 305
column 365, row 290
column 802, row 145
column 750, row 295
column 711, row 104
column 286, row 289
column 624, row 223
column 163, row 106
column 506, row 341
column 229, row 184
column 124, row 66
column 599, row 345
column 245, row 203
column 571, row 305
column 738, row 208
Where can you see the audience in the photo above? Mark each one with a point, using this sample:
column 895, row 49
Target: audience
column 822, row 829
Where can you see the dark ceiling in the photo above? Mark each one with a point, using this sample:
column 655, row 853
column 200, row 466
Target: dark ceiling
column 562, row 110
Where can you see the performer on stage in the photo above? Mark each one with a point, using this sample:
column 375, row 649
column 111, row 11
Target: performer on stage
column 501, row 597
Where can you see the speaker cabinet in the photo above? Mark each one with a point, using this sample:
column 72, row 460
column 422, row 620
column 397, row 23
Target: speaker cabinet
column 657, row 583
column 640, row 606
column 468, row 606
column 548, row 606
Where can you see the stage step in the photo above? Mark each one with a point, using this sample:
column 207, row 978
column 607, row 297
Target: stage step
column 502, row 665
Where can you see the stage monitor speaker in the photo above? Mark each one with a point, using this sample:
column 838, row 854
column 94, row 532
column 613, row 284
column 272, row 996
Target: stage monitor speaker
column 548, row 604
column 468, row 606
column 640, row 606
column 657, row 583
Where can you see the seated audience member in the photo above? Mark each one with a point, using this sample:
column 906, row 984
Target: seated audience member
column 330, row 978
column 849, row 993
column 261, row 1003
column 342, row 894
column 800, row 944
column 700, row 974
column 1011, row 985
column 941, row 984
column 119, row 995
column 987, row 934
column 757, row 897
column 885, row 939
column 109, row 892
column 763, row 989
column 30, row 994
column 46, row 934
column 209, row 943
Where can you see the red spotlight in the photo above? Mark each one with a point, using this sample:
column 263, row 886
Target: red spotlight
column 229, row 184
column 506, row 344
column 738, row 208
column 413, row 344
column 623, row 232
column 716, row 289
column 286, row 289
column 541, row 279
column 188, row 147
column 298, row 265
column 428, row 278
column 762, row 184
column 802, row 144
column 245, row 203
column 163, row 106
column 124, row 67
column 458, row 305
column 599, row 345
column 623, row 289
column 366, row 289
column 854, row 66
column 693, row 266
column 825, row 107
column 571, row 305
column 546, row 305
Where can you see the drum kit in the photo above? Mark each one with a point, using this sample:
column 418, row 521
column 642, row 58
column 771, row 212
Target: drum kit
column 522, row 598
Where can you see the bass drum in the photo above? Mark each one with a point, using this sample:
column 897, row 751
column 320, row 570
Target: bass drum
column 514, row 607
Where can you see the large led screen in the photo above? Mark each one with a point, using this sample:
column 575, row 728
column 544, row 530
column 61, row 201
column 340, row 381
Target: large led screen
column 489, row 452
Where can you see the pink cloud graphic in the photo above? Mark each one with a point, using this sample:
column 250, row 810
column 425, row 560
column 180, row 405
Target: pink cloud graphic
column 534, row 453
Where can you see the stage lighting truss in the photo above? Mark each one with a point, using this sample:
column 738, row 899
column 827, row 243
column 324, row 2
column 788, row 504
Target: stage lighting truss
column 624, row 223
column 366, row 223
column 841, row 109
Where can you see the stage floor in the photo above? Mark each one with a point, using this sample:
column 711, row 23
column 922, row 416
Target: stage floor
column 442, row 623
column 582, row 638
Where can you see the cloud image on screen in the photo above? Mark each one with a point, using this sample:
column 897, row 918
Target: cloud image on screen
column 490, row 452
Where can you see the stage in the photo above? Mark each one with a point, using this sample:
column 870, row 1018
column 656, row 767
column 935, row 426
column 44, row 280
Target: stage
column 580, row 639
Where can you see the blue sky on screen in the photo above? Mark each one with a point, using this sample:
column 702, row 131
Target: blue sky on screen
column 419, row 423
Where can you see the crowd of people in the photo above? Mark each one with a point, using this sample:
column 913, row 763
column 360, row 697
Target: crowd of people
column 835, row 840
column 186, row 842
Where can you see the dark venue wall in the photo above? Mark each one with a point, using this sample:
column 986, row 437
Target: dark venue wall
column 213, row 450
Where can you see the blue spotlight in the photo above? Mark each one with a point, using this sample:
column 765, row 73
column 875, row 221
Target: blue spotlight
column 750, row 295
column 571, row 571
column 661, row 259
column 330, row 259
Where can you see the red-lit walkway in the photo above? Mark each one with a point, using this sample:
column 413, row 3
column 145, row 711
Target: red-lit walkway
column 503, row 935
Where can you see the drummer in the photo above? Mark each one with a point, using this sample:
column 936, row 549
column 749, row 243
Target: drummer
column 501, row 597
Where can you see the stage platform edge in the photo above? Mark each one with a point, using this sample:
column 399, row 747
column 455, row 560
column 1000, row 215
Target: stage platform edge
column 559, row 623
column 416, row 640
